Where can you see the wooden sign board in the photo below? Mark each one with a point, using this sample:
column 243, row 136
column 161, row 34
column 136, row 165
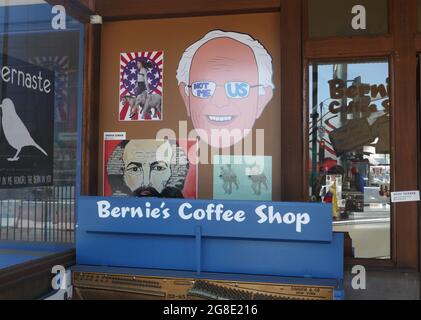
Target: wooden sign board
column 355, row 134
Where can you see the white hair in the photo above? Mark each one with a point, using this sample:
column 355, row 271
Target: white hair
column 263, row 59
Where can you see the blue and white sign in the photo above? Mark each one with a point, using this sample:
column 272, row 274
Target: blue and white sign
column 241, row 237
column 232, row 219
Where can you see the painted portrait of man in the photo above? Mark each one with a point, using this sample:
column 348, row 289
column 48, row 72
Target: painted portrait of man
column 225, row 80
column 144, row 173
column 147, row 168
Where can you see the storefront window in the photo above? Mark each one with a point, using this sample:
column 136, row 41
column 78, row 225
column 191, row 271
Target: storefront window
column 349, row 150
column 40, row 94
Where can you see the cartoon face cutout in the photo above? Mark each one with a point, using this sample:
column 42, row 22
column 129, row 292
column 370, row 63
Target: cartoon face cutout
column 144, row 171
column 224, row 97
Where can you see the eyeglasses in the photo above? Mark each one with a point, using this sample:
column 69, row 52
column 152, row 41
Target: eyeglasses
column 233, row 89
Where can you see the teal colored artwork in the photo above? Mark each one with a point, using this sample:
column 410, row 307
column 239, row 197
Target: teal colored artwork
column 242, row 178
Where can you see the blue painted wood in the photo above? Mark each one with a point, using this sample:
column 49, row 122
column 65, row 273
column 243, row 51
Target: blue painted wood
column 14, row 253
column 169, row 222
column 280, row 258
column 227, row 247
column 198, row 250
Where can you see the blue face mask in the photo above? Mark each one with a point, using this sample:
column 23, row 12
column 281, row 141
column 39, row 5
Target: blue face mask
column 233, row 89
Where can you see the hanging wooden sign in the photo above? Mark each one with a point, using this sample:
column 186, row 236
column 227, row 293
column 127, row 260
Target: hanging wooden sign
column 355, row 134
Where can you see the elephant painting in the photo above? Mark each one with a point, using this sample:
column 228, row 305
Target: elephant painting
column 146, row 106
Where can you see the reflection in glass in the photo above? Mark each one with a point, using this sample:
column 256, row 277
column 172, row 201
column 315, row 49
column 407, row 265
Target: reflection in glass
column 349, row 150
column 27, row 38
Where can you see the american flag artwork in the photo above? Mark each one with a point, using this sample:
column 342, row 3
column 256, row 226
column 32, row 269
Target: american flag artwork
column 60, row 66
column 131, row 103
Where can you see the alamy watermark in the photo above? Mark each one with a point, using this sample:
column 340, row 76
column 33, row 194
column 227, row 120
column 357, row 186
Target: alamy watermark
column 58, row 21
column 359, row 281
column 219, row 142
column 59, row 281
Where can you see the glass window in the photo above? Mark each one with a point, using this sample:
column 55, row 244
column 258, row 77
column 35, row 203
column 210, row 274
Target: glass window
column 333, row 18
column 349, row 150
column 40, row 77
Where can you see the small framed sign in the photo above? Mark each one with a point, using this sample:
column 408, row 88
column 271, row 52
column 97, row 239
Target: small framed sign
column 405, row 196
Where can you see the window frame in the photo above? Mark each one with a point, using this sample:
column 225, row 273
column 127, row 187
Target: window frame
column 352, row 261
column 399, row 49
column 399, row 46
